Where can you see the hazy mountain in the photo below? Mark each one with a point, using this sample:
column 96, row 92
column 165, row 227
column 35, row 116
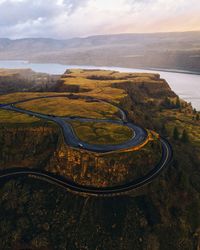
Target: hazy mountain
column 164, row 50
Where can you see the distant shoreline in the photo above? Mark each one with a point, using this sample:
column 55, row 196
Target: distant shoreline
column 104, row 66
column 183, row 83
column 173, row 71
column 140, row 68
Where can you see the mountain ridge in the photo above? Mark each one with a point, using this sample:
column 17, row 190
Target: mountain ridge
column 178, row 51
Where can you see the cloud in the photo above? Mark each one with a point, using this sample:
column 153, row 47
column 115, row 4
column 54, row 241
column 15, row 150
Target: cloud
column 68, row 18
column 19, row 11
column 20, row 18
column 141, row 2
column 73, row 5
column 15, row 12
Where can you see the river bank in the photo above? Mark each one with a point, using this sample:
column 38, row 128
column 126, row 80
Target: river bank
column 183, row 83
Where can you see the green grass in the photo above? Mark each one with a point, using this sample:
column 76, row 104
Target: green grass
column 61, row 106
column 101, row 133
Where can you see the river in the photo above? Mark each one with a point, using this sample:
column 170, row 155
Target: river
column 186, row 85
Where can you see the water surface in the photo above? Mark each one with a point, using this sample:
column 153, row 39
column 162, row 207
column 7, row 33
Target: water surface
column 187, row 86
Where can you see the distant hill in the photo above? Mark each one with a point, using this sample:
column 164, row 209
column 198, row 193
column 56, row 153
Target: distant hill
column 161, row 50
column 14, row 80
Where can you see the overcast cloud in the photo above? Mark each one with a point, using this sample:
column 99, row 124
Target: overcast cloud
column 69, row 18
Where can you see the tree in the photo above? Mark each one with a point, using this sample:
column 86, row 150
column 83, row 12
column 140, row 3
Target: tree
column 197, row 117
column 167, row 103
column 164, row 130
column 178, row 103
column 185, row 137
column 176, row 134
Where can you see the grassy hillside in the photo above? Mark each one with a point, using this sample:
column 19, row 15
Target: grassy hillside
column 8, row 117
column 63, row 106
column 18, row 96
column 13, row 80
column 103, row 84
column 164, row 215
column 101, row 133
column 77, row 165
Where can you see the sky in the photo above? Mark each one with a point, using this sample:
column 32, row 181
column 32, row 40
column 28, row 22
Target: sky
column 63, row 19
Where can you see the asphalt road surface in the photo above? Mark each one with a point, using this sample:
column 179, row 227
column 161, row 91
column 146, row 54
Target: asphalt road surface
column 139, row 136
column 89, row 190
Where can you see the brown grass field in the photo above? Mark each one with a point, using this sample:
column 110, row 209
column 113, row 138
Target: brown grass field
column 99, row 83
column 101, row 133
column 14, row 117
column 14, row 97
column 63, row 106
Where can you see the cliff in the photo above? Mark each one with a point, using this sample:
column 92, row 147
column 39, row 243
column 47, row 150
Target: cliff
column 26, row 146
column 164, row 215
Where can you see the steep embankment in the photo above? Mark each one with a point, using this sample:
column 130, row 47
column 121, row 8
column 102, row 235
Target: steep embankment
column 163, row 216
column 13, row 80
column 113, row 169
column 25, row 141
column 26, row 146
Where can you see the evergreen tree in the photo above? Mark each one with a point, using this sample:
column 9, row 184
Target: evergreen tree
column 194, row 111
column 185, row 137
column 178, row 103
column 197, row 117
column 164, row 130
column 167, row 102
column 176, row 133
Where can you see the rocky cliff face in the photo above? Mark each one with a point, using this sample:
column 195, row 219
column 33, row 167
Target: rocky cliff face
column 103, row 170
column 26, row 147
column 147, row 86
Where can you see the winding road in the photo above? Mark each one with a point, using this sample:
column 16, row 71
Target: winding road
column 139, row 134
column 139, row 137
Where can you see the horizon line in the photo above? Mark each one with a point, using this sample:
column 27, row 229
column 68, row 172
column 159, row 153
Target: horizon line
column 100, row 35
